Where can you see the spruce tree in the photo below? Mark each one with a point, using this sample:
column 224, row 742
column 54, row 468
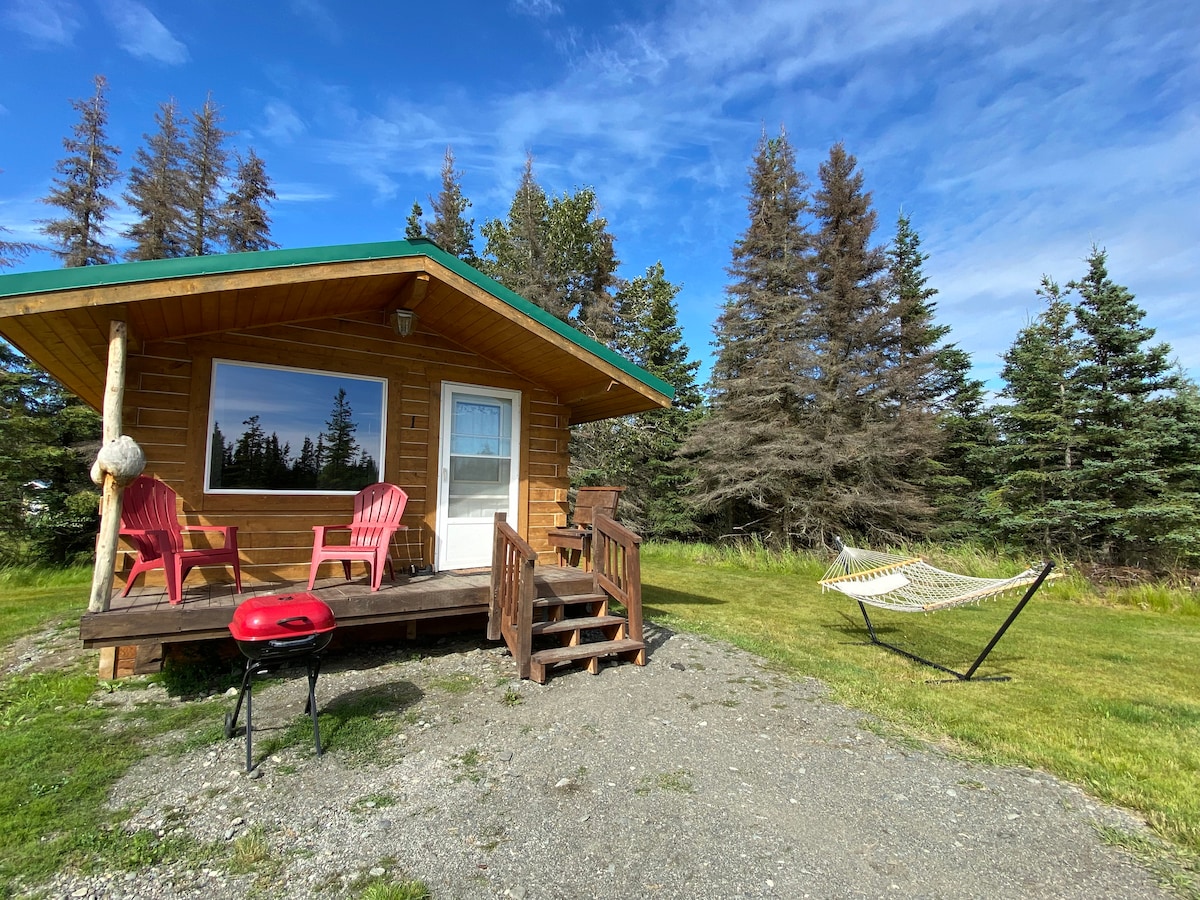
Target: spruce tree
column 450, row 229
column 913, row 308
column 48, row 438
column 155, row 191
column 746, row 469
column 865, row 438
column 557, row 254
column 937, row 377
column 517, row 251
column 1036, row 502
column 638, row 451
column 245, row 223
column 1126, row 388
column 88, row 170
column 412, row 225
column 206, row 165
column 1100, row 433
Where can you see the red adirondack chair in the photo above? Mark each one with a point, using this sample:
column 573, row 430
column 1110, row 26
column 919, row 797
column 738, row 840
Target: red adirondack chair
column 149, row 521
column 377, row 512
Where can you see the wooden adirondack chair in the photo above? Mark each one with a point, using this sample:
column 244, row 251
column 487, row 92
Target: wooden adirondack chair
column 150, row 522
column 574, row 543
column 377, row 512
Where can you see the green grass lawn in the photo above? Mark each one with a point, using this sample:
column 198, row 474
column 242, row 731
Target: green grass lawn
column 1102, row 694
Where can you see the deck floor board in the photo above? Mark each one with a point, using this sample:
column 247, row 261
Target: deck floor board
column 146, row 616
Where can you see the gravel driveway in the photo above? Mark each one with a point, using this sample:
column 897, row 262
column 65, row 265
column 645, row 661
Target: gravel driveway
column 705, row 774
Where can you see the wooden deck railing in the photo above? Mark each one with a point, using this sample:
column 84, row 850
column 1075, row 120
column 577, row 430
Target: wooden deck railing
column 617, row 569
column 513, row 591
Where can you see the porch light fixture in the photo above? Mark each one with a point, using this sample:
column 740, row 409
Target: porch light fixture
column 406, row 321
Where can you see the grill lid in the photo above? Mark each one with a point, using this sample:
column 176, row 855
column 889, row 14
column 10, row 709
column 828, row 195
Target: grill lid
column 278, row 616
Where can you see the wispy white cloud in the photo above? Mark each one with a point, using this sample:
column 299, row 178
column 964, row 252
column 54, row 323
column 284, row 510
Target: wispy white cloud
column 298, row 192
column 281, row 122
column 538, row 9
column 47, row 22
column 317, row 13
column 142, row 35
column 1016, row 132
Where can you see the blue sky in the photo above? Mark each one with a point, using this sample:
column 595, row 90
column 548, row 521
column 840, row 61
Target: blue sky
column 1016, row 133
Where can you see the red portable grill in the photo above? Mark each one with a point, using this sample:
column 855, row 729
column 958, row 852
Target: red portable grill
column 276, row 629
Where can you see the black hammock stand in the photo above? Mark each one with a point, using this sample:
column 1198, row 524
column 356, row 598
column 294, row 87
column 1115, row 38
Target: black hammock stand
column 909, row 584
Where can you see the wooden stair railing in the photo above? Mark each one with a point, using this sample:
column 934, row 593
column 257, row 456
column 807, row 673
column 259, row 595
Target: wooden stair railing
column 510, row 615
column 519, row 617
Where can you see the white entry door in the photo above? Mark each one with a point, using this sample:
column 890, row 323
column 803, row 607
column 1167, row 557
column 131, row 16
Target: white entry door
column 479, row 471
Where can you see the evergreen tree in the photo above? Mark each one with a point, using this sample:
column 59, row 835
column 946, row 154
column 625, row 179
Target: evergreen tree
column 155, row 190
column 412, row 225
column 449, row 229
column 639, row 451
column 48, row 438
column 307, row 467
column 557, row 254
column 89, row 169
column 1126, row 388
column 245, row 223
column 746, row 466
column 964, row 469
column 1035, row 501
column 340, row 450
column 913, row 307
column 1100, row 435
column 517, row 251
column 206, row 165
column 866, row 436
column 937, row 378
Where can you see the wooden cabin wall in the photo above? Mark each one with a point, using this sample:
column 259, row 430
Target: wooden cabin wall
column 166, row 412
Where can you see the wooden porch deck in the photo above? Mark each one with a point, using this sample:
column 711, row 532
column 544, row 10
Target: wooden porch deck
column 146, row 617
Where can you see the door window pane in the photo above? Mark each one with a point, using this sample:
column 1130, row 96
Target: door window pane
column 480, row 456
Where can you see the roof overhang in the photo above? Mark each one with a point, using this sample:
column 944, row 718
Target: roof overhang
column 60, row 318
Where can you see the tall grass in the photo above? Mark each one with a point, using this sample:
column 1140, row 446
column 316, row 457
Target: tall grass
column 30, row 597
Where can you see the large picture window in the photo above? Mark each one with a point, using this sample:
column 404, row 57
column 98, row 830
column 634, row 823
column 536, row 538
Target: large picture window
column 293, row 430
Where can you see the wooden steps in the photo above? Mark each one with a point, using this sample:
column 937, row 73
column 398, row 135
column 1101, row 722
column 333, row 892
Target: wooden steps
column 541, row 661
column 587, row 623
column 572, row 634
column 544, row 632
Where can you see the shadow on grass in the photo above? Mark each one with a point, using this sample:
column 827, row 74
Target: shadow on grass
column 355, row 723
column 953, row 644
column 659, row 600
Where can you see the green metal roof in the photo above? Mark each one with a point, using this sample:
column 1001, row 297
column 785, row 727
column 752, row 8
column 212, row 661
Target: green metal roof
column 82, row 277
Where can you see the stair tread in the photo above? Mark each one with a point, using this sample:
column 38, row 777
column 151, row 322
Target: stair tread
column 585, row 651
column 569, row 599
column 572, row 624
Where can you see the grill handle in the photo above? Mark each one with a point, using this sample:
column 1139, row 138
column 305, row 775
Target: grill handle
column 291, row 620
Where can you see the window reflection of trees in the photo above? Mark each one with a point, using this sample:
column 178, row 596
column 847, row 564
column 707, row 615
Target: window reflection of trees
column 332, row 460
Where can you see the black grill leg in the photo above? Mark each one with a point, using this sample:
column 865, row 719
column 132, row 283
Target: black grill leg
column 249, row 696
column 314, row 669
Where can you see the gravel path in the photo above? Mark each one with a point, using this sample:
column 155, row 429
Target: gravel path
column 703, row 775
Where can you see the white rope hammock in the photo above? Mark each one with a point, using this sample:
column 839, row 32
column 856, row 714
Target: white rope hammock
column 909, row 584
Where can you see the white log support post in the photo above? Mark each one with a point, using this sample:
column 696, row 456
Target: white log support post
column 110, row 502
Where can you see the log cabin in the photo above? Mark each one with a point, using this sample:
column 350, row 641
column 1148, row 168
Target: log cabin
column 238, row 375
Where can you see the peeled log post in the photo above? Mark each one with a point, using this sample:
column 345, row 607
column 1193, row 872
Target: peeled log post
column 110, row 481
